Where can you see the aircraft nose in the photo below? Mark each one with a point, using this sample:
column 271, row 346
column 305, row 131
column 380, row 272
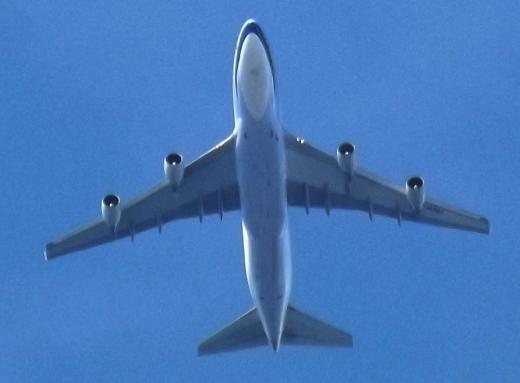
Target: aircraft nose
column 251, row 26
column 254, row 75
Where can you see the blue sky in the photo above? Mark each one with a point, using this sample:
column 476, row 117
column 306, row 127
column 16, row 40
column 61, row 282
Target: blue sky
column 93, row 94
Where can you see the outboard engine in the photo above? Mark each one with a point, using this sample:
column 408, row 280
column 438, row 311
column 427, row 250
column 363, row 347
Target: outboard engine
column 174, row 168
column 346, row 157
column 111, row 210
column 416, row 192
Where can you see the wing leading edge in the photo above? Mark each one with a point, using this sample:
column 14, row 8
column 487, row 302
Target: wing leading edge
column 314, row 179
column 209, row 186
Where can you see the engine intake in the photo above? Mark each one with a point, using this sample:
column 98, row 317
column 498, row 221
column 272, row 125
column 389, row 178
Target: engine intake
column 174, row 168
column 415, row 191
column 346, row 157
column 111, row 210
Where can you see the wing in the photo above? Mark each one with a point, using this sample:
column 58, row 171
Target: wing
column 209, row 186
column 314, row 179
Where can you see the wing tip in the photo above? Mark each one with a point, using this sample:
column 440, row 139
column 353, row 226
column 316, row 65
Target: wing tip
column 202, row 351
column 347, row 341
column 202, row 348
column 47, row 252
column 486, row 229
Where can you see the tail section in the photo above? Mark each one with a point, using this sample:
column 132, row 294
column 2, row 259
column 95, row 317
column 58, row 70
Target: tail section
column 302, row 329
column 299, row 329
column 244, row 332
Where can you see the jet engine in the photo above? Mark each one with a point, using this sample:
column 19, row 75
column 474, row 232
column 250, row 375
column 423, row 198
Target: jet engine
column 173, row 168
column 111, row 210
column 415, row 191
column 346, row 157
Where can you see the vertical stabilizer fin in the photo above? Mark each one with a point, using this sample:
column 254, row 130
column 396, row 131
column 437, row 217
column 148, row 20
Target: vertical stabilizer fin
column 302, row 329
column 244, row 332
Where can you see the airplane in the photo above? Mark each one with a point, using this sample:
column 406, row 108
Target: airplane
column 261, row 169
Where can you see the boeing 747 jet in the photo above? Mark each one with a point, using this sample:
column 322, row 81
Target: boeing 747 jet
column 261, row 169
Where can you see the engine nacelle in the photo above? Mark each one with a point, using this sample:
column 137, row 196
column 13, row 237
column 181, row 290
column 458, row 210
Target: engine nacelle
column 346, row 157
column 415, row 191
column 174, row 168
column 111, row 210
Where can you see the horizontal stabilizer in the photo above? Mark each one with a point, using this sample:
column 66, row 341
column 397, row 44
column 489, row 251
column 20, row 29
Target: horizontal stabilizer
column 244, row 332
column 299, row 329
column 302, row 329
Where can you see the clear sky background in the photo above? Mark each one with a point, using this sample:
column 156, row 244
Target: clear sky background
column 94, row 93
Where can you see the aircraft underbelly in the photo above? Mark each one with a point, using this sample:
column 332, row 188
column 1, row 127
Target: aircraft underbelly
column 261, row 179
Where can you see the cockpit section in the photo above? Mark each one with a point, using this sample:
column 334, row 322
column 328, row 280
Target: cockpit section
column 253, row 73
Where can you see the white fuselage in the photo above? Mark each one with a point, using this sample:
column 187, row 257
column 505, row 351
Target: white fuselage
column 261, row 173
